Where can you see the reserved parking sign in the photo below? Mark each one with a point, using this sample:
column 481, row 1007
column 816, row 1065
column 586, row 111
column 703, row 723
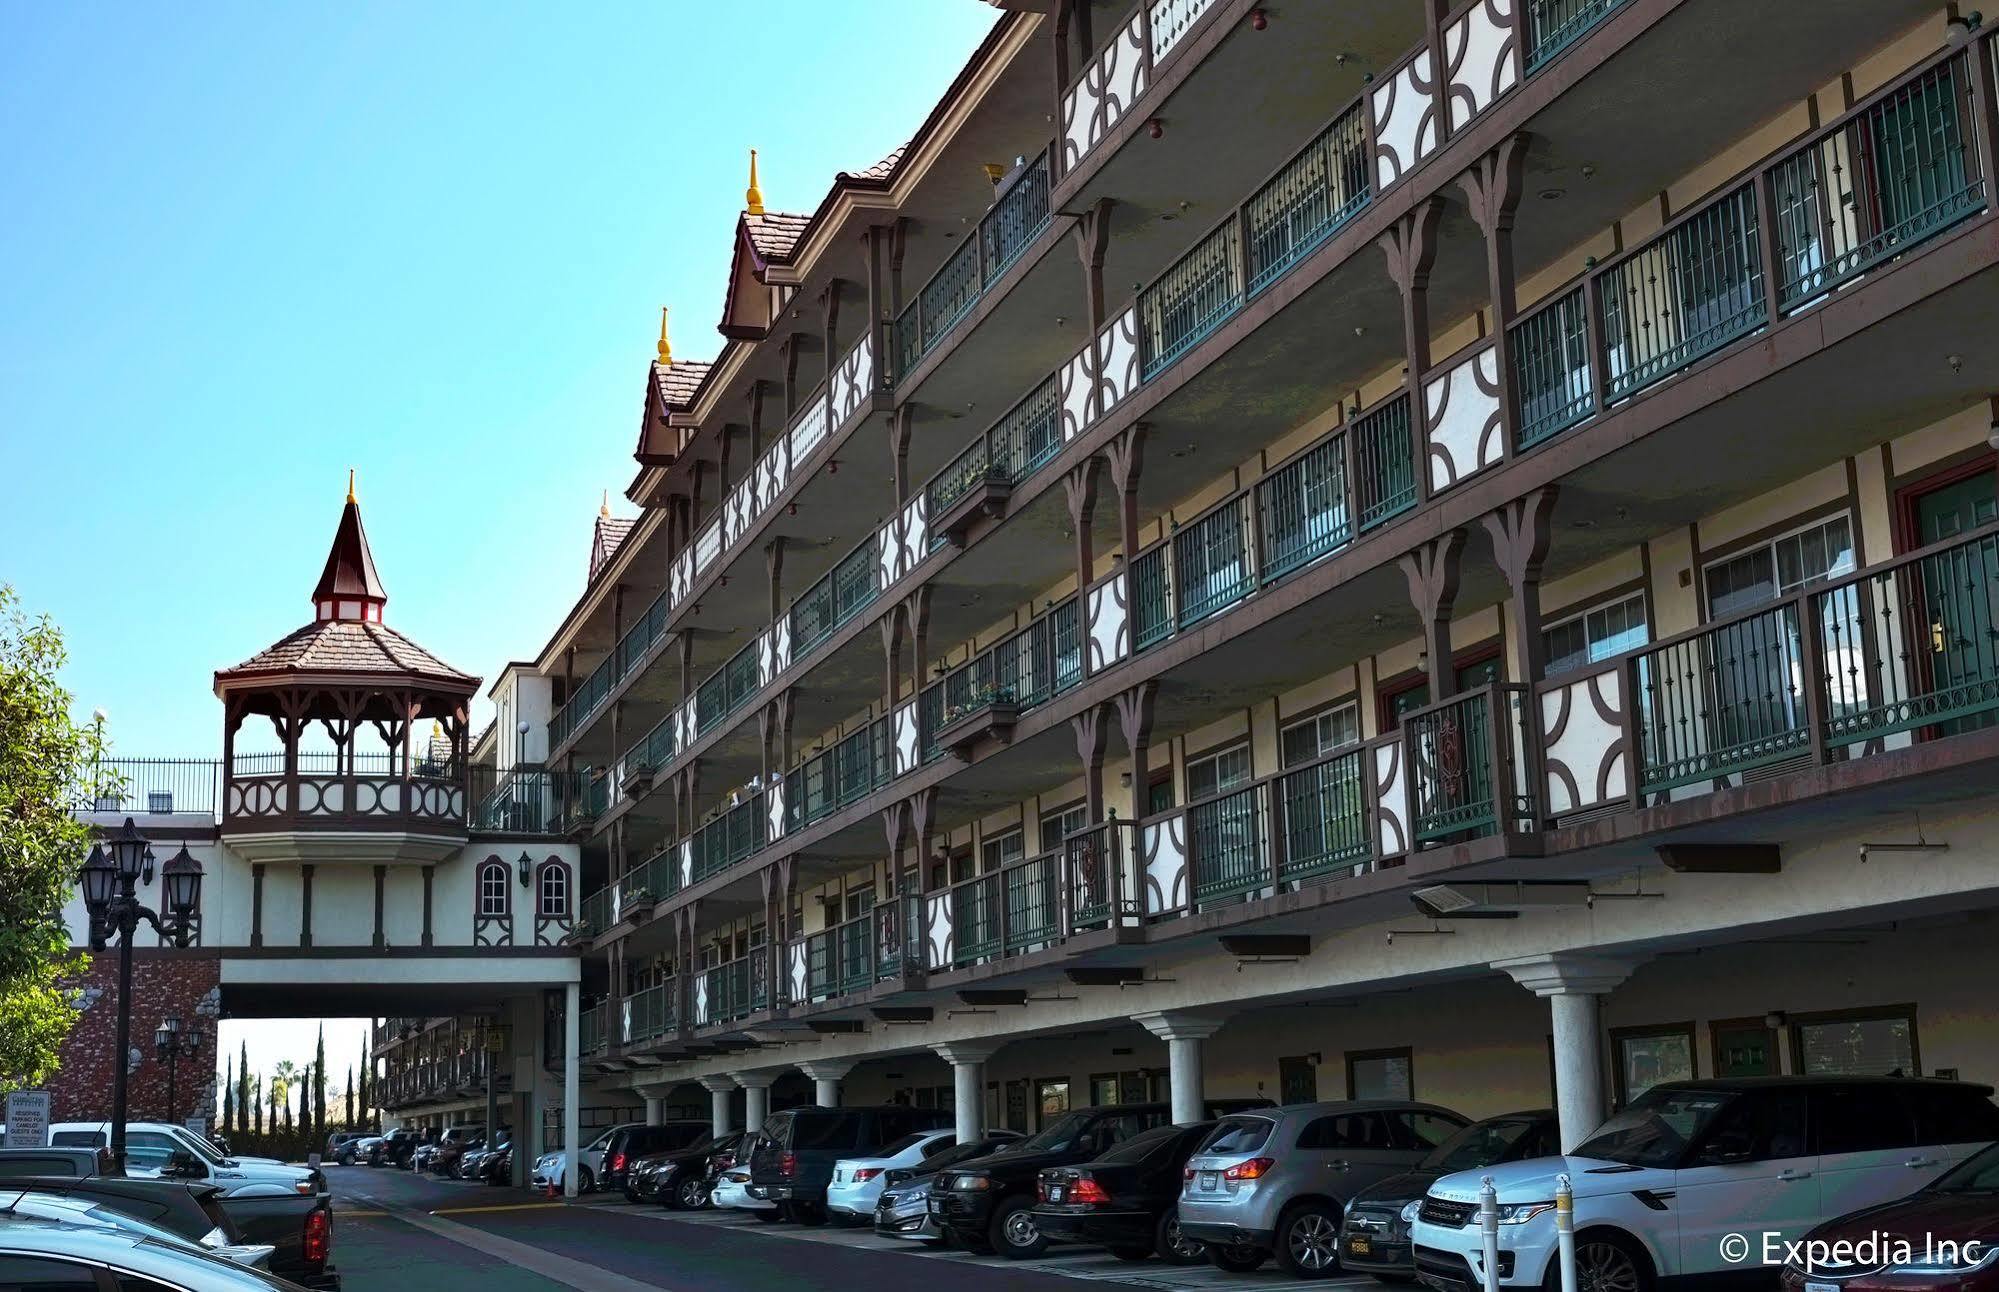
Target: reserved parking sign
column 28, row 1119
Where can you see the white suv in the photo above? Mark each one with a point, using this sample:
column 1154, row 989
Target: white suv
column 1706, row 1177
column 547, row 1173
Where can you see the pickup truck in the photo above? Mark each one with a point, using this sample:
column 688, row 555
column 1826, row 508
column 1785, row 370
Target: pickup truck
column 297, row 1226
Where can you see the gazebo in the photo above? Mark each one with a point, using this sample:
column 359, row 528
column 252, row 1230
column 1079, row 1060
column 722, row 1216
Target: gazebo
column 347, row 696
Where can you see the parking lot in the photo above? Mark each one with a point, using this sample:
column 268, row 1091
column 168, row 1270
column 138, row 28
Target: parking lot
column 398, row 1231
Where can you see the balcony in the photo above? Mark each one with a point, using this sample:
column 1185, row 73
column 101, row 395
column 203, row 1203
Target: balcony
column 651, row 1014
column 414, row 808
column 733, row 991
column 523, row 800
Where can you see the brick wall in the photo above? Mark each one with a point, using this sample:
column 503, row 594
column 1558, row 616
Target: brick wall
column 162, row 984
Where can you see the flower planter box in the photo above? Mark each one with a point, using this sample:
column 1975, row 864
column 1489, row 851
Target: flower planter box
column 994, row 718
column 985, row 500
column 637, row 781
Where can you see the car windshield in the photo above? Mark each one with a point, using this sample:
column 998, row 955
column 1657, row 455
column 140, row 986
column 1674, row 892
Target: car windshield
column 1058, row 1135
column 1656, row 1128
column 1978, row 1173
column 1480, row 1144
column 196, row 1145
column 1143, row 1145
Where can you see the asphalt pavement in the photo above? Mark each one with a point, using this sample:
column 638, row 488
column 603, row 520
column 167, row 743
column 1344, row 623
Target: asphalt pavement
column 395, row 1231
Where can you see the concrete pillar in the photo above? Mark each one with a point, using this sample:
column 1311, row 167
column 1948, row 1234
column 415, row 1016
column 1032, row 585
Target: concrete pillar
column 655, row 1110
column 968, row 1086
column 572, row 1084
column 756, row 1097
column 1572, row 985
column 721, row 1113
column 826, row 1075
column 1183, row 1033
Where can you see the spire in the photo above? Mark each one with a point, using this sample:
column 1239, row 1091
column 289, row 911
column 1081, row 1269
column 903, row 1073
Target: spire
column 753, row 198
column 348, row 586
column 665, row 346
column 604, row 507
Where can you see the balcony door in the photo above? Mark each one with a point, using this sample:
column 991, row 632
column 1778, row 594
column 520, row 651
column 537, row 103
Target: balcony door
column 1956, row 645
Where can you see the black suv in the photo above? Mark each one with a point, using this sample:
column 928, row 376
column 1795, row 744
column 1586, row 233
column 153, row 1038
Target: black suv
column 796, row 1149
column 630, row 1143
column 679, row 1179
column 987, row 1204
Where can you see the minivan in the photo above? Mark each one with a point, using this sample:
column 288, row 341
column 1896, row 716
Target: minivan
column 796, row 1149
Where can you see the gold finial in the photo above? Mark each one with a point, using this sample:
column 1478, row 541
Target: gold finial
column 753, row 198
column 350, row 484
column 604, row 508
column 665, row 347
column 436, row 731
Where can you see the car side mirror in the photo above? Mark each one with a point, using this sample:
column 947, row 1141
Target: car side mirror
column 183, row 1165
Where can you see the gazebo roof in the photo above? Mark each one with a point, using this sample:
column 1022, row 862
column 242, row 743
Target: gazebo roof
column 347, row 643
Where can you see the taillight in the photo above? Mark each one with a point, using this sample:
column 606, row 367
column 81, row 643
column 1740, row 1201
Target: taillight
column 617, row 1161
column 1041, row 1190
column 787, row 1164
column 866, row 1173
column 1187, row 1175
column 1086, row 1190
column 723, row 1161
column 1253, row 1169
column 318, row 1236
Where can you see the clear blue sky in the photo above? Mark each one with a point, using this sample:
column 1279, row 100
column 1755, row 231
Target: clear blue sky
column 246, row 246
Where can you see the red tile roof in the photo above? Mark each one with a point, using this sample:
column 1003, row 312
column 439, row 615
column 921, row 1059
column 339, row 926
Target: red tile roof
column 882, row 169
column 605, row 538
column 351, row 647
column 775, row 234
column 677, row 382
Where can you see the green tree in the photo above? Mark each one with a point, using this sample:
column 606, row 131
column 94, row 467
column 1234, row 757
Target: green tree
column 49, row 767
column 243, row 1088
column 228, row 1079
column 349, row 1123
column 319, row 1086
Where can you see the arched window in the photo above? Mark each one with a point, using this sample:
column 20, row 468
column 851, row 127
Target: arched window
column 552, row 886
column 493, row 894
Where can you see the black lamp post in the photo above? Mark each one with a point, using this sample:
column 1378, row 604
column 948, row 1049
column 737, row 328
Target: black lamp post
column 173, row 1043
column 111, row 894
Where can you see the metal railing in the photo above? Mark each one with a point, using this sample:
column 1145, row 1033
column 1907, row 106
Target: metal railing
column 652, row 1013
column 1227, row 855
column 730, row 837
column 1308, row 201
column 157, row 785
column 1023, row 669
column 1323, row 810
column 1385, row 462
column 594, row 1029
column 525, row 800
column 1465, row 774
column 1016, row 218
column 1015, row 446
column 829, row 780
column 1895, row 173
column 1554, row 25
column 738, row 988
column 1182, row 306
column 1213, row 565
column 1551, row 369
column 1302, row 509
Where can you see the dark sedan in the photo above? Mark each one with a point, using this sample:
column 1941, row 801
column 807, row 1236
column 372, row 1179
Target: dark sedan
column 1374, row 1237
column 1941, row 1238
column 680, row 1179
column 1127, row 1200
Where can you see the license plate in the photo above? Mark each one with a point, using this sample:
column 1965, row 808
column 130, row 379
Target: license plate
column 1208, row 1181
column 1055, row 1194
column 1359, row 1246
column 936, row 1207
column 1821, row 1287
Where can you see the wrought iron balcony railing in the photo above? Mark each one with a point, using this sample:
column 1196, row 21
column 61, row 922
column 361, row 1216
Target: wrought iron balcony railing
column 1016, row 218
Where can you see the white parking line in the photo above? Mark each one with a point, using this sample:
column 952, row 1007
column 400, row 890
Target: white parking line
column 1087, row 1263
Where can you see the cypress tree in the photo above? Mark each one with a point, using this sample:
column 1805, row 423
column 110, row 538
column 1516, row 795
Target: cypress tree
column 319, row 1086
column 228, row 1079
column 243, row 1089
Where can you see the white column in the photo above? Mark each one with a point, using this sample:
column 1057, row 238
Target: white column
column 655, row 1110
column 572, row 1112
column 826, row 1075
column 721, row 1113
column 756, row 1097
column 1183, row 1033
column 1573, row 986
column 968, row 1086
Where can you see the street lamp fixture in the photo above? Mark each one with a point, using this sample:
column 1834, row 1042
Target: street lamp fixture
column 110, row 880
column 173, row 1043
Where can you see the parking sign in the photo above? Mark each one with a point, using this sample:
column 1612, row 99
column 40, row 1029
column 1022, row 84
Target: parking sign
column 28, row 1119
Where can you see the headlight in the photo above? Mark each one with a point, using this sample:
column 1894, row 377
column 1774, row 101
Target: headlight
column 1519, row 1213
column 971, row 1182
column 1950, row 1258
column 1409, row 1210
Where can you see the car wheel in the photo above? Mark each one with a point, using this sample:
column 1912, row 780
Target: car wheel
column 1013, row 1232
column 1174, row 1247
column 1606, row 1262
column 631, row 1195
column 1133, row 1254
column 690, row 1194
column 585, row 1182
column 1236, row 1260
column 1308, row 1241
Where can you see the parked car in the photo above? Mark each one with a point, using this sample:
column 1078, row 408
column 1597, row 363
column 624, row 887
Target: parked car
column 1950, row 1227
column 589, row 1162
column 1374, row 1238
column 1127, row 1200
column 796, row 1149
column 421, row 1157
column 988, row 1204
column 72, row 1209
column 1274, row 1182
column 51, row 1253
column 732, row 1193
column 169, row 1151
column 630, row 1143
column 1729, row 1153
column 903, row 1210
column 392, row 1149
column 467, row 1165
column 497, row 1167
column 340, row 1146
column 451, row 1145
column 857, row 1181
column 680, row 1178
column 54, row 1162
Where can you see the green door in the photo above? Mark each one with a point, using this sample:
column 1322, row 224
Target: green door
column 1960, row 591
